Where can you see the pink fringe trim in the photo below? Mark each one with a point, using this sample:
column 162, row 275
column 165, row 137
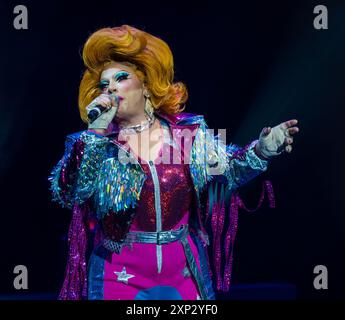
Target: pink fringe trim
column 75, row 282
column 218, row 220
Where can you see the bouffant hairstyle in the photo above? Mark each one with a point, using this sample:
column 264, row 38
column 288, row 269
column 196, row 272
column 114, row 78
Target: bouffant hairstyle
column 149, row 56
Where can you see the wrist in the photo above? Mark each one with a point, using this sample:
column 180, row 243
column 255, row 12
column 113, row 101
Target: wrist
column 259, row 153
column 98, row 126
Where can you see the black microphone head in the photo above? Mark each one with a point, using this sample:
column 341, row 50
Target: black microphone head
column 93, row 114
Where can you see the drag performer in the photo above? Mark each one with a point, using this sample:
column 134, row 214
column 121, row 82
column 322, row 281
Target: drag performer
column 152, row 191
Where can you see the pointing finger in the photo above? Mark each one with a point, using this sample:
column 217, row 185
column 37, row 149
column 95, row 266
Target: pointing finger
column 289, row 123
column 293, row 130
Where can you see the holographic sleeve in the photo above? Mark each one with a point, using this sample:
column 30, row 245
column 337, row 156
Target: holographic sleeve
column 243, row 164
column 73, row 178
column 239, row 165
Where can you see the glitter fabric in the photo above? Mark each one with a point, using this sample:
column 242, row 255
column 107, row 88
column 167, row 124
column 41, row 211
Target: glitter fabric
column 116, row 226
column 176, row 187
column 73, row 180
column 75, row 284
column 176, row 191
column 91, row 180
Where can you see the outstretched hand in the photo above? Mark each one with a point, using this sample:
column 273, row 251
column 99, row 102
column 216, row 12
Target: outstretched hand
column 276, row 140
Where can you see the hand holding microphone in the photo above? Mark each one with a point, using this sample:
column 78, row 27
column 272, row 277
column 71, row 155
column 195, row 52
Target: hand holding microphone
column 102, row 110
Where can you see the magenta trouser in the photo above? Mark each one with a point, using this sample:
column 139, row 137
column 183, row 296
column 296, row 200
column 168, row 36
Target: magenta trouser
column 134, row 274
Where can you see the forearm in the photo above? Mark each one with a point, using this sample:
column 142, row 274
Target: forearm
column 63, row 177
column 244, row 164
column 258, row 153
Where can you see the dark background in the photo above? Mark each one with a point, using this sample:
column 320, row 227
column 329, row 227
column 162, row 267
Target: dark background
column 246, row 64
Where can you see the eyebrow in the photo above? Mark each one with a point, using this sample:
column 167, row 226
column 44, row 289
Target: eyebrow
column 115, row 74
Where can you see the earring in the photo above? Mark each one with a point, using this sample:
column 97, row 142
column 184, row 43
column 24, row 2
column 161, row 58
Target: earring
column 148, row 104
column 149, row 107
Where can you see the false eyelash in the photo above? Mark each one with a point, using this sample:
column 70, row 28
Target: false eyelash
column 103, row 84
column 122, row 76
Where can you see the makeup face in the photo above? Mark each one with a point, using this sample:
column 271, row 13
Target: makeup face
column 121, row 79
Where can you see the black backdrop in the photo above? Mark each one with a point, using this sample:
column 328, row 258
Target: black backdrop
column 247, row 65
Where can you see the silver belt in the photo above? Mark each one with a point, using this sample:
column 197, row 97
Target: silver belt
column 160, row 237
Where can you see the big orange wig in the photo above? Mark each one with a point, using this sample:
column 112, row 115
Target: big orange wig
column 150, row 57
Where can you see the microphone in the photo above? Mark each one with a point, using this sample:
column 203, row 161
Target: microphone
column 98, row 109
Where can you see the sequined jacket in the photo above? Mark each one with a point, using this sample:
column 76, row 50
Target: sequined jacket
column 93, row 179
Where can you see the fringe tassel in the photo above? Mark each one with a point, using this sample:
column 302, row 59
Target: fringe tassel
column 75, row 282
column 267, row 186
column 218, row 218
column 217, row 222
column 229, row 242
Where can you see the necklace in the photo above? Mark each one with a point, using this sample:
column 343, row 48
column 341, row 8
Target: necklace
column 140, row 127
